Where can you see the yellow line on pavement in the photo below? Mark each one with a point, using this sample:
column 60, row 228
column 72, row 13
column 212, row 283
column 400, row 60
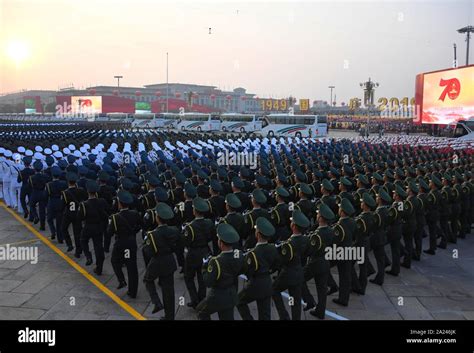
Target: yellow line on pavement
column 76, row 266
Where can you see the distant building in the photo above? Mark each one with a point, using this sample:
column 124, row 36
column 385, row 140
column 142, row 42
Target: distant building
column 237, row 100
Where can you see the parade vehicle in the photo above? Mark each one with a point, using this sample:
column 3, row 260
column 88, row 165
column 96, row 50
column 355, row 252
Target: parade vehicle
column 198, row 122
column 167, row 120
column 294, row 125
column 233, row 122
column 464, row 129
column 144, row 120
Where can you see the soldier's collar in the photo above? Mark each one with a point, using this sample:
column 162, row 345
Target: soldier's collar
column 227, row 251
column 296, row 235
column 257, row 208
column 198, row 218
column 261, row 243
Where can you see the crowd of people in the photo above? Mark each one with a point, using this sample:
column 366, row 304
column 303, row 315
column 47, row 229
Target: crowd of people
column 217, row 221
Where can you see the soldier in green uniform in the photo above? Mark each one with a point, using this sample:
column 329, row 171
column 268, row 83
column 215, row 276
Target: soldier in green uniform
column 409, row 229
column 220, row 275
column 94, row 213
column 291, row 275
column 216, row 200
column 304, row 204
column 196, row 237
column 234, row 218
column 394, row 234
column 258, row 200
column 433, row 214
column 456, row 206
column 365, row 226
column 326, row 190
column 465, row 205
column 159, row 246
column 318, row 267
column 344, row 231
column 125, row 224
column 260, row 262
column 280, row 215
column 379, row 235
column 344, row 187
column 445, row 211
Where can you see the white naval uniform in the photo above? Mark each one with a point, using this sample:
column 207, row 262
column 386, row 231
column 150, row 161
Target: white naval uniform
column 15, row 186
column 6, row 178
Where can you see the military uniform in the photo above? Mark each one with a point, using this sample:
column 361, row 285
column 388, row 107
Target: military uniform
column 53, row 207
column 38, row 196
column 260, row 262
column 158, row 247
column 125, row 224
column 220, row 276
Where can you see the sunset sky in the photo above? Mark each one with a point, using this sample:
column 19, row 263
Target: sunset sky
column 272, row 48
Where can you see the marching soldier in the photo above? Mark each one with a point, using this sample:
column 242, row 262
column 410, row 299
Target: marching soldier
column 409, row 229
column 291, row 275
column 394, row 233
column 433, row 214
column 237, row 186
column 304, row 204
column 158, row 248
column 38, row 197
column 220, row 275
column 233, row 218
column 216, row 200
column 258, row 200
column 25, row 190
column 196, row 236
column 53, row 208
column 344, row 231
column 125, row 224
column 260, row 262
column 327, row 198
column 71, row 198
column 445, row 212
column 318, row 267
column 280, row 215
column 365, row 226
column 94, row 213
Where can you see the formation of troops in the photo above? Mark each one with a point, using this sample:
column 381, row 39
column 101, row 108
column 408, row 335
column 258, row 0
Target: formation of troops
column 272, row 226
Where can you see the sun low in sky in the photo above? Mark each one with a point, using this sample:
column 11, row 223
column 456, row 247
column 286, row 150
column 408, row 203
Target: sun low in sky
column 17, row 51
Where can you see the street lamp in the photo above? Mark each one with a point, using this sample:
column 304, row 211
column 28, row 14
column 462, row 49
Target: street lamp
column 118, row 77
column 369, row 89
column 331, row 88
column 468, row 30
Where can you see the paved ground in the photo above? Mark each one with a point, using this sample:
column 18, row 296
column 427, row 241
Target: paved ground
column 439, row 287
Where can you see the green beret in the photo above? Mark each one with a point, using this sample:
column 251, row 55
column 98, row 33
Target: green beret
column 265, row 227
column 215, row 185
column 164, row 211
column 347, row 207
column 200, row 205
column 300, row 176
column 125, row 197
column 413, row 187
column 423, row 185
column 377, row 176
column 368, row 200
column 327, row 185
column 202, row 175
column 363, row 179
column 400, row 192
column 300, row 219
column 227, row 233
column 190, row 190
column 180, row 178
column 345, row 181
column 389, row 174
column 92, row 186
column 237, row 182
column 305, row 189
column 281, row 191
column 385, row 197
column 233, row 201
column 259, row 196
column 325, row 212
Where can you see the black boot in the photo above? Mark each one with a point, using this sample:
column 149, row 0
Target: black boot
column 122, row 285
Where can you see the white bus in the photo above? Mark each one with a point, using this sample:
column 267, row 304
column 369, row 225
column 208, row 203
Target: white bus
column 233, row 122
column 123, row 117
column 198, row 122
column 294, row 125
column 167, row 120
column 464, row 129
column 144, row 120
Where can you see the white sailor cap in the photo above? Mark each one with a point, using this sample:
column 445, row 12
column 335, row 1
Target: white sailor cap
column 141, row 147
column 55, row 148
column 66, row 151
column 39, row 149
column 58, row 154
column 8, row 153
column 47, row 151
column 2, row 150
column 87, row 146
column 29, row 153
column 21, row 149
column 38, row 155
column 77, row 154
column 72, row 147
column 17, row 157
